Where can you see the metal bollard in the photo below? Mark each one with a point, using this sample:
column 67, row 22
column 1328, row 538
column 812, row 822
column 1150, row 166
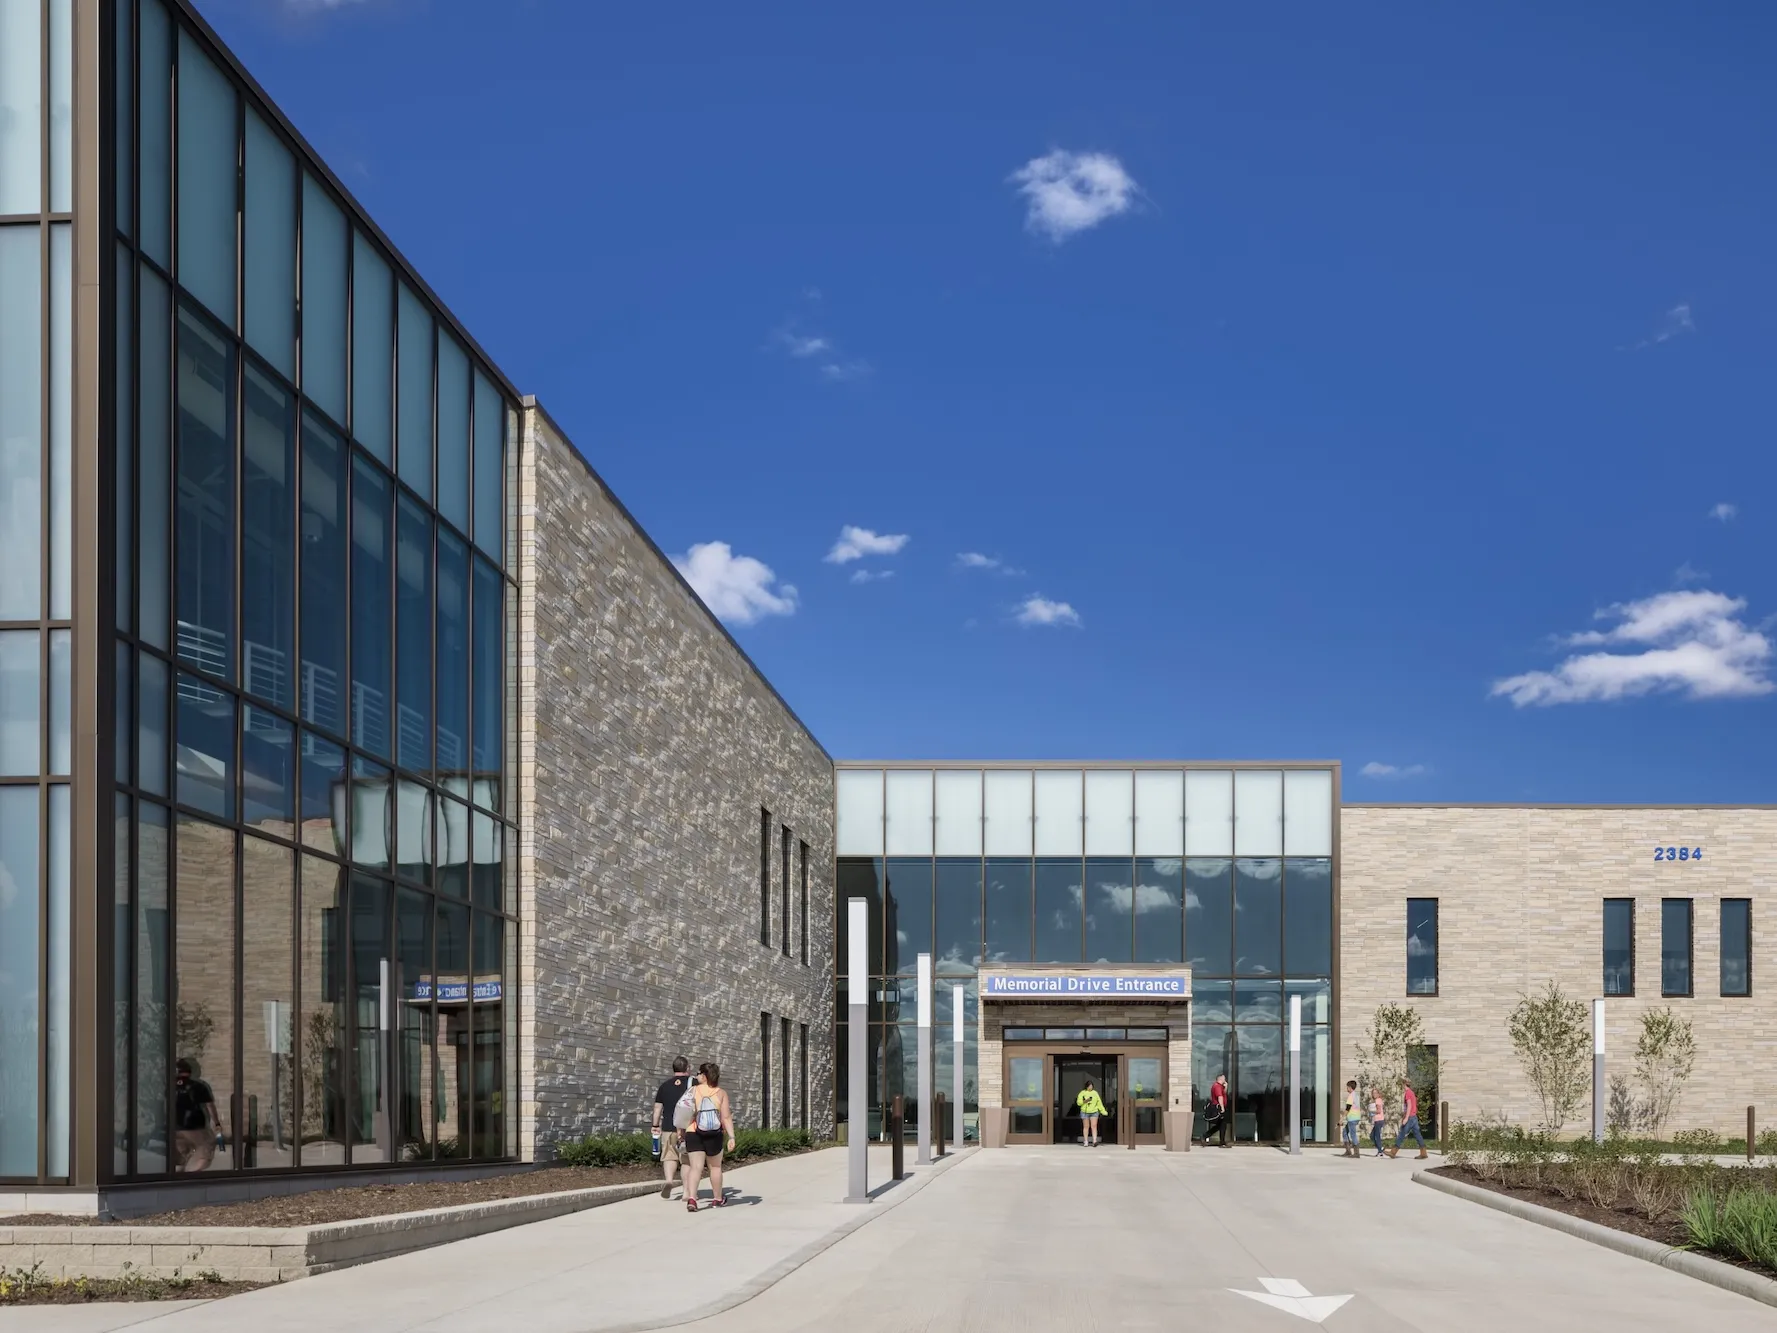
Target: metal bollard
column 1751, row 1131
column 1443, row 1123
column 895, row 1136
column 940, row 1118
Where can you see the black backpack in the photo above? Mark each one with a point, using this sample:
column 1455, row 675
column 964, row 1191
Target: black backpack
column 189, row 1107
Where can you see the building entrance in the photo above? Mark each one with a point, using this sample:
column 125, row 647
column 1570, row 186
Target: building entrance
column 1072, row 1073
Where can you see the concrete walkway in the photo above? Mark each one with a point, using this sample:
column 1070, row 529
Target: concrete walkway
column 1022, row 1240
column 643, row 1263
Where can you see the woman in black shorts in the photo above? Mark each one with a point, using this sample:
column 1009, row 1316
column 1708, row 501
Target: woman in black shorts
column 711, row 1131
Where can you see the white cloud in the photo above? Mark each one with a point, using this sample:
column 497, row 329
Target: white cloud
column 1039, row 610
column 799, row 345
column 1376, row 770
column 843, row 372
column 871, row 575
column 1691, row 643
column 1677, row 322
column 1725, row 512
column 737, row 588
column 975, row 560
column 855, row 543
column 1067, row 193
column 1689, row 573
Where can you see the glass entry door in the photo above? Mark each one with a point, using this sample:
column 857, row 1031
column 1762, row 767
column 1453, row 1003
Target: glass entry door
column 1072, row 1074
column 1026, row 1085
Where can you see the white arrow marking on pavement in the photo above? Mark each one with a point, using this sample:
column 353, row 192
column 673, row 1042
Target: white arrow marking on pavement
column 1290, row 1296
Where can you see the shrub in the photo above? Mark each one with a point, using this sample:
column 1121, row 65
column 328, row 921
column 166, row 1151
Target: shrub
column 1697, row 1142
column 1767, row 1143
column 1665, row 1054
column 638, row 1149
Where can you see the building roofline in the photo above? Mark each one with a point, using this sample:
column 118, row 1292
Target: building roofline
column 317, row 165
column 532, row 405
column 1550, row 805
column 1022, row 765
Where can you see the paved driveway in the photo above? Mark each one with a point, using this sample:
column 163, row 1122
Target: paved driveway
column 1076, row 1239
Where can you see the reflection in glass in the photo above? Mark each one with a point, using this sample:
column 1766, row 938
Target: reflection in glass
column 371, row 814
column 1258, row 1001
column 153, row 1028
column 413, row 636
column 205, row 519
column 1025, row 1079
column 370, row 1124
column 418, row 1027
column 151, row 733
column 1209, row 916
column 324, row 602
column 1736, row 946
column 1144, row 1078
column 207, row 174
column 268, row 1012
column 414, row 392
column 373, row 347
column 19, row 976
column 1258, row 917
column 268, row 771
column 21, row 127
column 1109, row 903
column 907, row 926
column 1008, row 910
column 1258, row 1084
column 956, row 947
column 1059, row 911
column 453, row 431
column 154, row 39
column 323, row 785
column 1317, row 999
column 1317, row 1089
column 857, row 877
column 1675, row 946
column 1159, row 910
column 123, row 437
column 486, row 888
column 122, row 1027
column 1422, row 946
column 269, row 281
column 488, row 683
column 490, row 466
column 21, row 423
column 487, row 1090
column 1212, row 1054
column 323, row 300
column 124, row 718
column 203, row 971
column 61, row 702
column 154, row 505
column 1307, row 917
column 20, row 710
column 413, row 831
column 452, row 1097
column 453, row 848
column 372, row 669
column 322, row 1057
column 56, row 1020
column 453, row 654
column 61, row 418
column 1211, row 1001
column 1619, row 946
column 268, row 554
column 206, row 747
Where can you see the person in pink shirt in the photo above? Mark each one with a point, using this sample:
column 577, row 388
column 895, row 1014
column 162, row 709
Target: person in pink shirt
column 1409, row 1122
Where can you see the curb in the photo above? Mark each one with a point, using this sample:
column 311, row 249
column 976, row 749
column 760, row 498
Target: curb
column 1713, row 1271
column 910, row 1185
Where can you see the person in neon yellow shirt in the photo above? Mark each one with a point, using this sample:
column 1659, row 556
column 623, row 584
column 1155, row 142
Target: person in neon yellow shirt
column 1091, row 1107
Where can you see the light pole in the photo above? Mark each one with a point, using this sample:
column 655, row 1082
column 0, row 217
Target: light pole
column 857, row 988
column 958, row 1054
column 1295, row 1075
column 1598, row 1071
column 925, row 1059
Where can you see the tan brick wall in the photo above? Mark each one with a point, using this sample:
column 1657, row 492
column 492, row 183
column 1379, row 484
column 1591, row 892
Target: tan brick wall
column 1520, row 893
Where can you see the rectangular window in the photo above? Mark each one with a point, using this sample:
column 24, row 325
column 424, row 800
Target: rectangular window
column 765, row 877
column 784, row 895
column 802, row 921
column 1736, row 946
column 373, row 347
column 783, row 1070
column 269, row 281
column 154, row 49
column 413, row 407
column 324, row 262
column 21, row 422
column 209, row 167
column 764, row 1071
column 1619, row 946
column 372, row 616
column 204, row 568
column 1675, row 946
column 802, row 1052
column 1422, row 946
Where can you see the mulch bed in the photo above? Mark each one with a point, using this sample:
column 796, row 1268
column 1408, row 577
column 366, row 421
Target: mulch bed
column 1667, row 1229
column 351, row 1202
column 80, row 1291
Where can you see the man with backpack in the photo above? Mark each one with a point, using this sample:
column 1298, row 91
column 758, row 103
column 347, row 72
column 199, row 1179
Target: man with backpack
column 196, row 1121
column 667, row 1148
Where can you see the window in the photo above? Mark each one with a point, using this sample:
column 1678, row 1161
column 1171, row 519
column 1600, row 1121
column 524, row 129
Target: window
column 784, row 893
column 1422, row 946
column 764, row 1071
column 802, row 932
column 1619, row 946
column 1736, row 946
column 1675, row 946
column 765, row 877
column 783, row 1061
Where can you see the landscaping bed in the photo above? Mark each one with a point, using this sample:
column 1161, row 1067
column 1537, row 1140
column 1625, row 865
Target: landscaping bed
column 1726, row 1212
column 29, row 1286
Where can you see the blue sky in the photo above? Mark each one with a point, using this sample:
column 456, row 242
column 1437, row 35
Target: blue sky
column 1388, row 385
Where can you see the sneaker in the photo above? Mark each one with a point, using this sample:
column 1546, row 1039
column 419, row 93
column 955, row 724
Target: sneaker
column 666, row 1190
column 1392, row 1152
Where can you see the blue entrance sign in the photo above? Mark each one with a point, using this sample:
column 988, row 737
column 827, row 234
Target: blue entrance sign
column 1037, row 986
column 455, row 992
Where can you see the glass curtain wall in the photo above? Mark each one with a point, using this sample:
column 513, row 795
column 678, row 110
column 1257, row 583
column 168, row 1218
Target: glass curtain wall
column 314, row 865
column 36, row 583
column 1227, row 871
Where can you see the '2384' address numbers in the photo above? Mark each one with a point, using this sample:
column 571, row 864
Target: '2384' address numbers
column 1678, row 853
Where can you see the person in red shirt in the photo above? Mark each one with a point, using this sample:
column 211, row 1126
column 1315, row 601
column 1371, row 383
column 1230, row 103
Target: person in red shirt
column 1409, row 1122
column 1215, row 1112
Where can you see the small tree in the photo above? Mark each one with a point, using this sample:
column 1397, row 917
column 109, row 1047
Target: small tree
column 1665, row 1054
column 1552, row 1036
column 1386, row 1058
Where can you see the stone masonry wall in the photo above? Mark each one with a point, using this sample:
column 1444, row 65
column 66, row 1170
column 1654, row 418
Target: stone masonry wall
column 1520, row 900
column 648, row 746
